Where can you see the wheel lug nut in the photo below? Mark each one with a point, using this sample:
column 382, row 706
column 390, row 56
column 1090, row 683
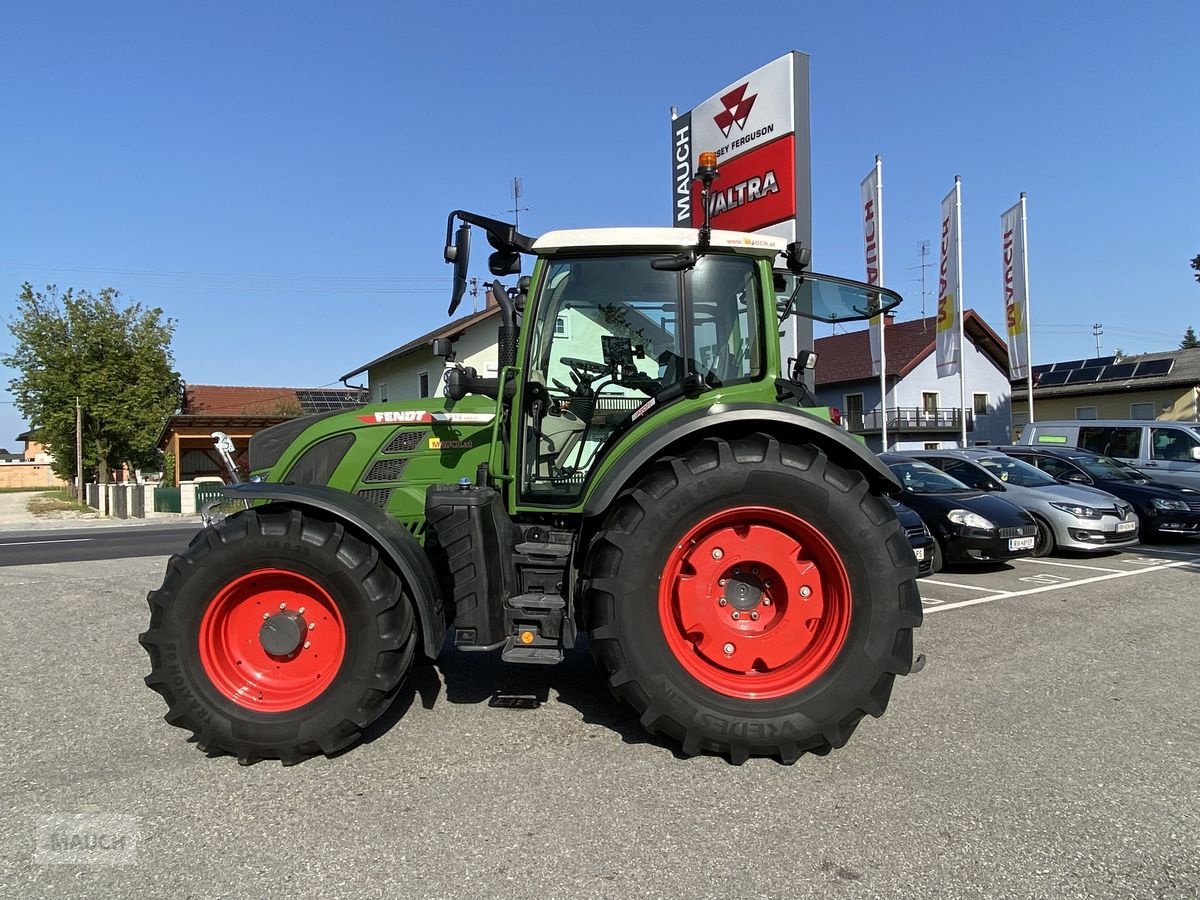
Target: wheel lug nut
column 737, row 570
column 805, row 591
column 736, row 614
column 312, row 625
column 717, row 553
column 754, row 571
column 283, row 606
column 728, row 648
column 300, row 610
column 266, row 616
column 307, row 644
column 721, row 582
column 754, row 616
column 722, row 602
column 766, row 584
column 766, row 601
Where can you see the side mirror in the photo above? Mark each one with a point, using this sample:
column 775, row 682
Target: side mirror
column 1196, row 454
column 798, row 257
column 444, row 347
column 460, row 255
column 992, row 485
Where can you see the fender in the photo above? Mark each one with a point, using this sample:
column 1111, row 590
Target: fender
column 794, row 424
column 392, row 539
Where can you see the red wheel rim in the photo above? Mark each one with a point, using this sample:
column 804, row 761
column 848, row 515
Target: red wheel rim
column 787, row 612
column 232, row 647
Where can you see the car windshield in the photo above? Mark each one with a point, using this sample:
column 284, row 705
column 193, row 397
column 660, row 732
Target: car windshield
column 1013, row 471
column 1105, row 468
column 922, row 478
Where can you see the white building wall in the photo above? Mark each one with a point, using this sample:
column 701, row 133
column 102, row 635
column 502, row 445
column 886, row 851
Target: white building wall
column 399, row 379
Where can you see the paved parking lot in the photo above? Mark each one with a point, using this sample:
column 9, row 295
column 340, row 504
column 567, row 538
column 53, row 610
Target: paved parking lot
column 1051, row 748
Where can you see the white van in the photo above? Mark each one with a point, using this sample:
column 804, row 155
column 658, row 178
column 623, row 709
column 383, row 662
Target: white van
column 1166, row 451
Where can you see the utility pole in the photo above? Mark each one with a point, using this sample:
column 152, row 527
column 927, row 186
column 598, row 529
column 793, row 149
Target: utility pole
column 1097, row 330
column 78, row 452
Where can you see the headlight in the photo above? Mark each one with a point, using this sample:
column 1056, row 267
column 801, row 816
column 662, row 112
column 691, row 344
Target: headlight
column 968, row 519
column 1078, row 510
column 1160, row 503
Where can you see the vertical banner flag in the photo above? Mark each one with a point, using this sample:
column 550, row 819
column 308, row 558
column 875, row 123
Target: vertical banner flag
column 1016, row 289
column 949, row 314
column 872, row 215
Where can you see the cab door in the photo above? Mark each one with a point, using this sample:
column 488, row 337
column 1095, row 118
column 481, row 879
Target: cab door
column 1173, row 453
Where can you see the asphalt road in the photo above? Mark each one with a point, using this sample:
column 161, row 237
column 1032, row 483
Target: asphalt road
column 24, row 548
column 1051, row 748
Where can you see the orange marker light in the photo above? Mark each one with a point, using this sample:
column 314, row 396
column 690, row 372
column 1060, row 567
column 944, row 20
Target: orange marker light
column 708, row 160
column 526, row 637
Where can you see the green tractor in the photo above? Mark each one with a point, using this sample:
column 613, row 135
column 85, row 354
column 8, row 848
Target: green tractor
column 646, row 468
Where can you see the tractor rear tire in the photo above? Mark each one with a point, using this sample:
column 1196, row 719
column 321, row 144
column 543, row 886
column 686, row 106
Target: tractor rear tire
column 278, row 635
column 751, row 598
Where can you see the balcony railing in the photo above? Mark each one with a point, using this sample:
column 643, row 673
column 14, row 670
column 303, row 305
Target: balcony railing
column 908, row 418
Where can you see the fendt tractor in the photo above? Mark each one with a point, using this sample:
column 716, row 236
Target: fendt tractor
column 645, row 469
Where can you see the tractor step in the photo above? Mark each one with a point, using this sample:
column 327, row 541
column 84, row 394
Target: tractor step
column 535, row 634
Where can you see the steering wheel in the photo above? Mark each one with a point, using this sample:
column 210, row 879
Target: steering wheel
column 583, row 373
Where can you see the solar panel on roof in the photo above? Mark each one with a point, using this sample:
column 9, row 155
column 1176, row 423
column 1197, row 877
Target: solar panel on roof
column 1079, row 376
column 1069, row 365
column 1117, row 372
column 319, row 401
column 1154, row 367
column 1053, row 378
column 1099, row 362
column 1046, row 367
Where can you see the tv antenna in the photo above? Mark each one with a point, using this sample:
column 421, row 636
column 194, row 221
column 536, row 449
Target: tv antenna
column 923, row 250
column 518, row 192
column 1098, row 330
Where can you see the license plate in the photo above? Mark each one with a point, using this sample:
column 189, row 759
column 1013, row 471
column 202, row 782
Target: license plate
column 1020, row 543
column 1126, row 527
column 920, row 552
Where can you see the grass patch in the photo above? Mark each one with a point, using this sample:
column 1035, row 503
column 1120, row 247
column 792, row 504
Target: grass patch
column 56, row 502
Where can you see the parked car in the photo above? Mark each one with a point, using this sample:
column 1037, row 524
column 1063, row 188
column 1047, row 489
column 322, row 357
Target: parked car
column 1164, row 509
column 1169, row 451
column 919, row 536
column 1072, row 517
column 969, row 526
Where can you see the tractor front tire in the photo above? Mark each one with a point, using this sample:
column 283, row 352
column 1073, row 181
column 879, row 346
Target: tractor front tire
column 751, row 598
column 278, row 635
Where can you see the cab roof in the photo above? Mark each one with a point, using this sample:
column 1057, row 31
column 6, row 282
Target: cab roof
column 554, row 242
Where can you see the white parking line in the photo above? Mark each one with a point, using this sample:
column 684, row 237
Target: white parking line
column 966, row 587
column 1189, row 555
column 48, row 541
column 1058, row 587
column 1046, row 562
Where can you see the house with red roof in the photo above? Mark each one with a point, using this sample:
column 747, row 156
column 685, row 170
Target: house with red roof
column 923, row 411
column 239, row 412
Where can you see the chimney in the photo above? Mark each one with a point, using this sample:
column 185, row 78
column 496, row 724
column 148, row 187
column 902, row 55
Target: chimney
column 889, row 318
column 492, row 302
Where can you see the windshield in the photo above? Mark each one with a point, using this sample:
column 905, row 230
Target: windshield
column 1106, row 468
column 1013, row 471
column 829, row 299
column 922, row 478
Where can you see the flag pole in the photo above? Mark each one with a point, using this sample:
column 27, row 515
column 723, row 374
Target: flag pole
column 962, row 362
column 882, row 319
column 1025, row 281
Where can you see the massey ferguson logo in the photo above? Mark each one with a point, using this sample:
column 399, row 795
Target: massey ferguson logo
column 737, row 109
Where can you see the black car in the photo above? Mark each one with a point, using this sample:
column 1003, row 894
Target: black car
column 1164, row 509
column 919, row 536
column 970, row 526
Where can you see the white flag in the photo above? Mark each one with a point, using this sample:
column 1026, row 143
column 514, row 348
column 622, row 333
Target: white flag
column 872, row 215
column 1016, row 289
column 949, row 312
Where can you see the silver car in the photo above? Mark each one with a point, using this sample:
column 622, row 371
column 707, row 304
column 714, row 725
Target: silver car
column 1072, row 517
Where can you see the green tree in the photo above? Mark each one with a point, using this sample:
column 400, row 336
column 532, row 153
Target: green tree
column 1196, row 265
column 114, row 356
column 1190, row 341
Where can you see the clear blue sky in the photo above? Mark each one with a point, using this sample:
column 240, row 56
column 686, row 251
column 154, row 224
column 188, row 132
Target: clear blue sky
column 276, row 176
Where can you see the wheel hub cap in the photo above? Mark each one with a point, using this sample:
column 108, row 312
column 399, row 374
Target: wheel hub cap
column 282, row 633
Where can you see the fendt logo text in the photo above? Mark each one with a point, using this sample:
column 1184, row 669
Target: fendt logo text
column 737, row 109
